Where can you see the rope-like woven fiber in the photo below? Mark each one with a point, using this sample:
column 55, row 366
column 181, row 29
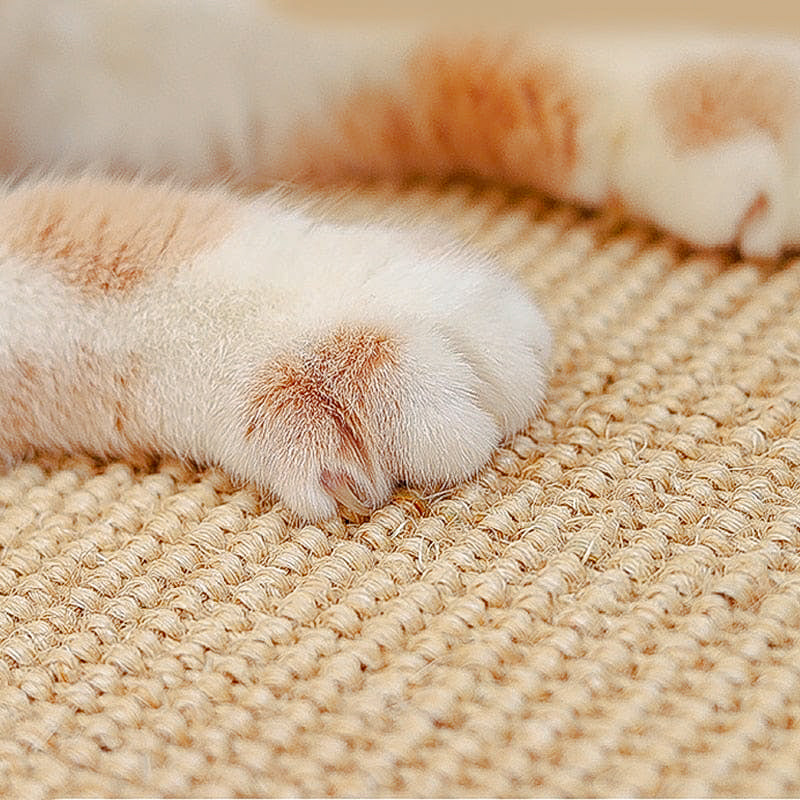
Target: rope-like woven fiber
column 612, row 607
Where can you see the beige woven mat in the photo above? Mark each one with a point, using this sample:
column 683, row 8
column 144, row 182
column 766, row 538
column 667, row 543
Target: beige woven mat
column 612, row 608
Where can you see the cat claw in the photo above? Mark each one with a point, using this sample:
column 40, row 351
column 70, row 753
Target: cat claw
column 339, row 487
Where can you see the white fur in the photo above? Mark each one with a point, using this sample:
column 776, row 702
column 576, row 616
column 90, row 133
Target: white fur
column 154, row 86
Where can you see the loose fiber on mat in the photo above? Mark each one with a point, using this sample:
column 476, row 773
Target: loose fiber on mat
column 612, row 607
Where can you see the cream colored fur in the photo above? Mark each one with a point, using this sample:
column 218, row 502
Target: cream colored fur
column 322, row 362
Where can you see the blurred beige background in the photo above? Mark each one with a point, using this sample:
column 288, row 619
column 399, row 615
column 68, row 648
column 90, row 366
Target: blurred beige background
column 777, row 16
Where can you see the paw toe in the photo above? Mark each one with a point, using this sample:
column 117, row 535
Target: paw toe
column 339, row 423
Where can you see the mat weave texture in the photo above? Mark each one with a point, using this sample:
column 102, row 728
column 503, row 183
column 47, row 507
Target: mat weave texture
column 612, row 607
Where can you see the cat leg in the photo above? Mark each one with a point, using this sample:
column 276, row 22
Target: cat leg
column 324, row 363
column 699, row 135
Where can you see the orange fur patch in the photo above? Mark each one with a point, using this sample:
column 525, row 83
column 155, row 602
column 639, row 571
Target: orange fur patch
column 323, row 391
column 108, row 236
column 710, row 102
column 472, row 109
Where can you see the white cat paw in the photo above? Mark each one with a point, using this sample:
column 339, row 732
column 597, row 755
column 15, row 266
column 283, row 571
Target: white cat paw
column 730, row 194
column 415, row 379
column 712, row 154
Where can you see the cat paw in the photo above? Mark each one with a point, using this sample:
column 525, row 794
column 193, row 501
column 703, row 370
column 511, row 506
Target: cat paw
column 732, row 194
column 417, row 378
column 718, row 144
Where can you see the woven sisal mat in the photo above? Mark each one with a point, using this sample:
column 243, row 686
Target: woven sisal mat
column 613, row 607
